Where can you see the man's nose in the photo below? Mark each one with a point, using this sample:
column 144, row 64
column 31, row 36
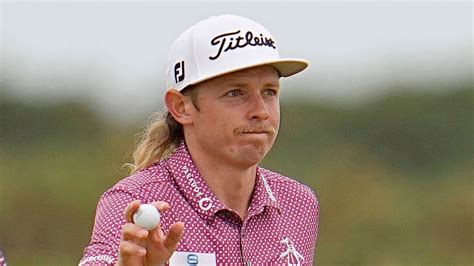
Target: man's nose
column 258, row 108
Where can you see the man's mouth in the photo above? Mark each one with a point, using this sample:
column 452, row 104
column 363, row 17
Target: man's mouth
column 254, row 130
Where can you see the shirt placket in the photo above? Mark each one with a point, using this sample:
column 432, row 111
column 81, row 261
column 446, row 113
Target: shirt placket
column 261, row 198
column 243, row 232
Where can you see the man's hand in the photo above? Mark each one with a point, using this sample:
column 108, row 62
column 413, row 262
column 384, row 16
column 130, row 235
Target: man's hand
column 141, row 247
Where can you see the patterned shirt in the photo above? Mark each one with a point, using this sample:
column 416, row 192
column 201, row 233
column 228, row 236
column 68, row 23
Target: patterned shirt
column 3, row 260
column 280, row 226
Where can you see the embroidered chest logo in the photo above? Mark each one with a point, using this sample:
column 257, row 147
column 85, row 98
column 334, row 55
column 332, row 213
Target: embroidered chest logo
column 205, row 203
column 293, row 257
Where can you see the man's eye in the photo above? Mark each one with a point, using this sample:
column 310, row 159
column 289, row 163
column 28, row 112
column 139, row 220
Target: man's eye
column 271, row 92
column 234, row 93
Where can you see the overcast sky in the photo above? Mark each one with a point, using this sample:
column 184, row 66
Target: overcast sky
column 116, row 51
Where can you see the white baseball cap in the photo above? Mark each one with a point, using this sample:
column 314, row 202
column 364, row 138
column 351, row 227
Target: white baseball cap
column 224, row 44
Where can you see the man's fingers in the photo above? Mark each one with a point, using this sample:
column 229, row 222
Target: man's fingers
column 131, row 208
column 174, row 236
column 130, row 250
column 134, row 233
column 161, row 205
column 138, row 242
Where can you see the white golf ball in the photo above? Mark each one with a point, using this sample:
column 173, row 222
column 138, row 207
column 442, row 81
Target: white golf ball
column 147, row 217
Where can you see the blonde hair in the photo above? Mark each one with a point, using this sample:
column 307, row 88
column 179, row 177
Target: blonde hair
column 157, row 142
column 161, row 136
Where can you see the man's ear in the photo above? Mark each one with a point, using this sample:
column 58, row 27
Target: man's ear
column 179, row 106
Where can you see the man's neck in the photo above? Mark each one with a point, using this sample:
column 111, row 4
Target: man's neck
column 232, row 185
column 233, row 188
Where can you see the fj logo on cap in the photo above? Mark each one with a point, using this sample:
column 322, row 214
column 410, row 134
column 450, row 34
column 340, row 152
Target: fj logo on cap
column 179, row 72
column 232, row 40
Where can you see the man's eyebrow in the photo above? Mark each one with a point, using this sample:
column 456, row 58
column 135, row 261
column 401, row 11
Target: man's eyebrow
column 272, row 84
column 236, row 84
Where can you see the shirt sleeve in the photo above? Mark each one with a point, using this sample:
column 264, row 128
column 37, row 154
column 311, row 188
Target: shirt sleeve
column 3, row 260
column 315, row 218
column 107, row 232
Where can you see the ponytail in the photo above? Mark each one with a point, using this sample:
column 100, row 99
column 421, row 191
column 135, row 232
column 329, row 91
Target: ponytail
column 158, row 141
column 161, row 138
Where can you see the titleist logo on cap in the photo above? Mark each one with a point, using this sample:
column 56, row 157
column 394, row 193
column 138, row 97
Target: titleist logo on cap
column 232, row 40
column 223, row 44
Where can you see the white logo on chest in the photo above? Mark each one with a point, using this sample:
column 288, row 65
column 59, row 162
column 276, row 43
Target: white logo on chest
column 205, row 204
column 293, row 257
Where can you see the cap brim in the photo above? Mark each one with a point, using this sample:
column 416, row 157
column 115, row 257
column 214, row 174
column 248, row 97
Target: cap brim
column 285, row 66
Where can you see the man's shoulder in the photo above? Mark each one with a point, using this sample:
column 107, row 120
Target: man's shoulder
column 284, row 185
column 154, row 176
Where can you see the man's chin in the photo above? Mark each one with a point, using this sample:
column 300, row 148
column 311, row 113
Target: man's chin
column 253, row 153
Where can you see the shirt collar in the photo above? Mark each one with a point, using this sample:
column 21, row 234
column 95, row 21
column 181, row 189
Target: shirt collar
column 195, row 190
column 191, row 184
column 263, row 195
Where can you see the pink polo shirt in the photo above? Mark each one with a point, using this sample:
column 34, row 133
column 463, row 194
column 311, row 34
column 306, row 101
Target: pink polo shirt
column 280, row 227
column 3, row 261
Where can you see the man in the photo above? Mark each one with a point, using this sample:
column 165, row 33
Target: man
column 198, row 165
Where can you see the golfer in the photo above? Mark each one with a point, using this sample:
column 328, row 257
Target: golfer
column 198, row 163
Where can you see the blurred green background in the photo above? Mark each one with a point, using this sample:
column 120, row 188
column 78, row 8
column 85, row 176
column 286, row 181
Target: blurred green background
column 393, row 176
column 380, row 126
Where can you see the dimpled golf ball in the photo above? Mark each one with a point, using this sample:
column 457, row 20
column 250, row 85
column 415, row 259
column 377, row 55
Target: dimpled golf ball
column 147, row 217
